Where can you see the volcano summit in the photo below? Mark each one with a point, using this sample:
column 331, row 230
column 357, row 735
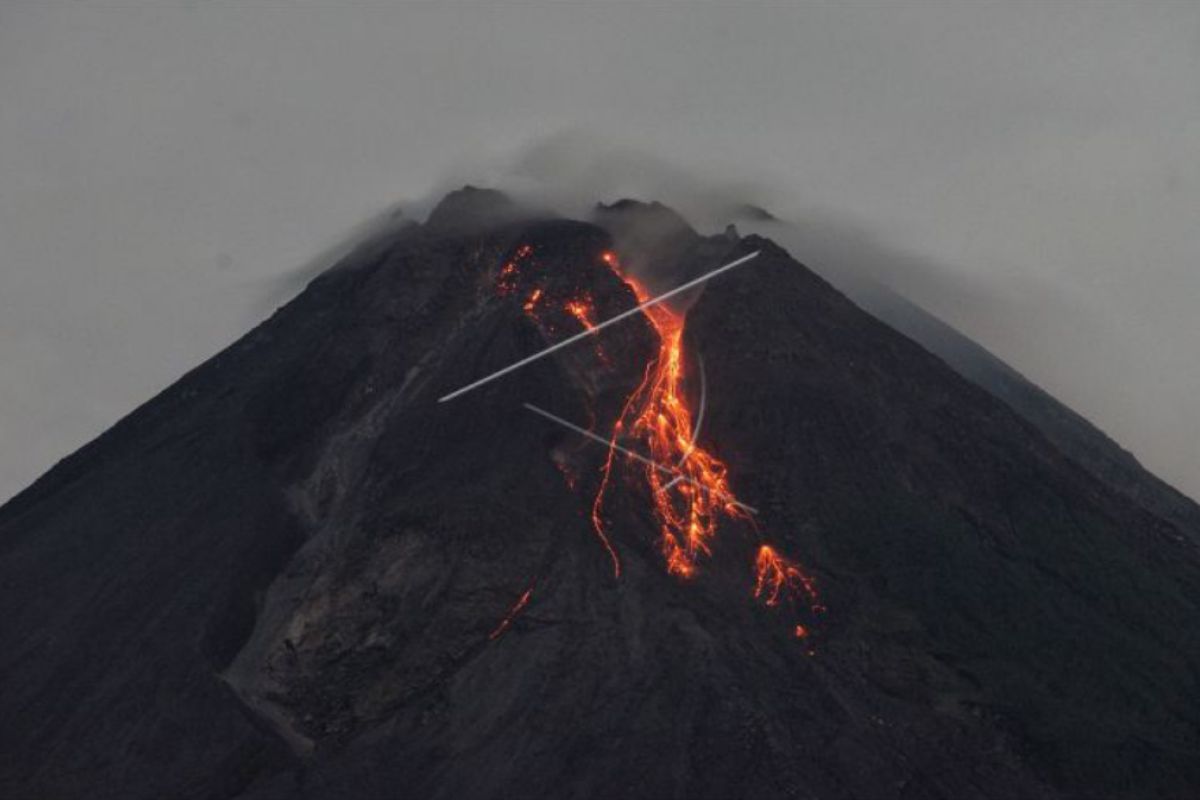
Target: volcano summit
column 750, row 542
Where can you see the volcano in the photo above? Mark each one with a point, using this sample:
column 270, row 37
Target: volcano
column 752, row 542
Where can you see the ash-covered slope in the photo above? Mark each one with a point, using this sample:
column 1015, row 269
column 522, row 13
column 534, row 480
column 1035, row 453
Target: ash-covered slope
column 848, row 257
column 294, row 573
column 1067, row 430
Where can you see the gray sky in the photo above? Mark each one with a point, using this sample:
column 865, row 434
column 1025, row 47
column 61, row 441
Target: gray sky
column 166, row 166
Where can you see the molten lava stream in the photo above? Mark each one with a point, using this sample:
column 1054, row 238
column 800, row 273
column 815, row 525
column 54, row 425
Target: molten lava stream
column 688, row 485
column 777, row 578
column 687, row 505
column 516, row 609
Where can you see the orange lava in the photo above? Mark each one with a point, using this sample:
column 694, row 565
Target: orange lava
column 687, row 504
column 505, row 623
column 581, row 310
column 507, row 279
column 531, row 303
column 777, row 577
column 692, row 494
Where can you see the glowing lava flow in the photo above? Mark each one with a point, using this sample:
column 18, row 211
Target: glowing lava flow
column 688, row 485
column 582, row 309
column 517, row 608
column 657, row 413
column 776, row 577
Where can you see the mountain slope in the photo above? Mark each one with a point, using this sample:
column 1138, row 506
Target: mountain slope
column 1070, row 432
column 853, row 261
column 294, row 573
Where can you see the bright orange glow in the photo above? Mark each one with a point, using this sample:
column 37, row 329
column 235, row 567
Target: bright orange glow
column 506, row 281
column 584, row 311
column 657, row 414
column 691, row 496
column 777, row 577
column 606, row 475
column 505, row 623
column 581, row 310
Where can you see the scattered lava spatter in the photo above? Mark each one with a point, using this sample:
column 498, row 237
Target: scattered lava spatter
column 582, row 310
column 580, row 307
column 776, row 575
column 510, row 272
column 778, row 578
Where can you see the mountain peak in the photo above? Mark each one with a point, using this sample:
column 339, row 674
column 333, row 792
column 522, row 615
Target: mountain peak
column 472, row 207
column 652, row 218
column 754, row 213
column 762, row 547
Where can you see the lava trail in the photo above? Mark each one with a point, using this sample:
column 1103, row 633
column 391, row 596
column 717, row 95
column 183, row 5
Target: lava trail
column 689, row 505
column 692, row 495
column 516, row 609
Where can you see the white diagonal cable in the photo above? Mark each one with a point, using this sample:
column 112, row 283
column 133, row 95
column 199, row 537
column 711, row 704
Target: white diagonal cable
column 648, row 462
column 596, row 329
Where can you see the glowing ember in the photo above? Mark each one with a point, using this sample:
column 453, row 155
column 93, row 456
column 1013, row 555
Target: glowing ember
column 510, row 272
column 505, row 623
column 531, row 303
column 777, row 577
column 582, row 310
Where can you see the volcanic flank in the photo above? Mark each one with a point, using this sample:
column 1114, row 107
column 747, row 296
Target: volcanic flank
column 797, row 556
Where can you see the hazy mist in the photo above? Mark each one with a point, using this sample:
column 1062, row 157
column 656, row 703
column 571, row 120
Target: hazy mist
column 1027, row 172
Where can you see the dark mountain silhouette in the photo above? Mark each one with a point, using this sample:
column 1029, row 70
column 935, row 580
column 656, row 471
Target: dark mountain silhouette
column 294, row 573
column 1078, row 438
column 851, row 259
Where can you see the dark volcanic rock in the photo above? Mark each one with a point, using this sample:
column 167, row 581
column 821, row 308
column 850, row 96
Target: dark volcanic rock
column 471, row 210
column 1078, row 438
column 286, row 575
